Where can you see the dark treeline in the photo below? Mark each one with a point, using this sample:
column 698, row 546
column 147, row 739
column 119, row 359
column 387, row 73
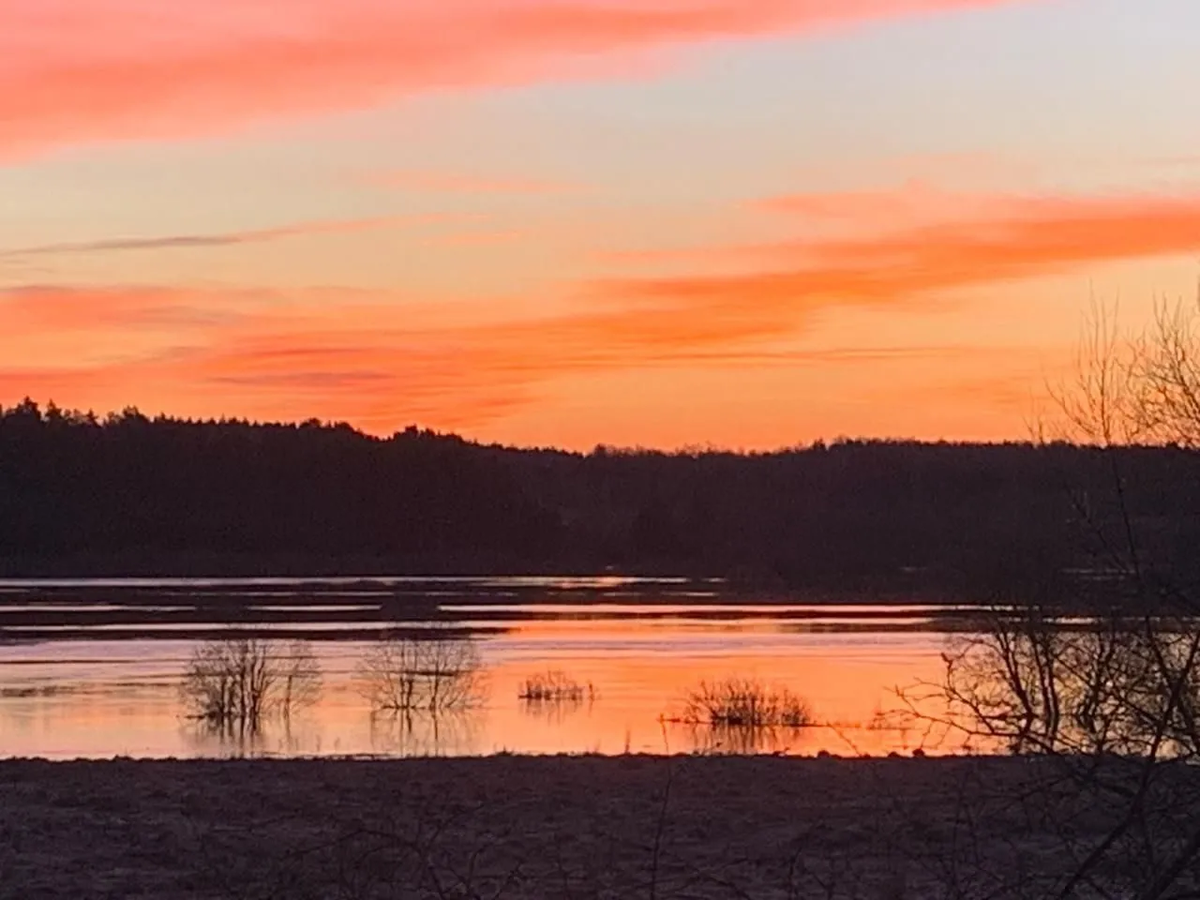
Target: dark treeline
column 131, row 495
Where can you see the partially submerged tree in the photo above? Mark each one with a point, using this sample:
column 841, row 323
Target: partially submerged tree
column 433, row 674
column 300, row 682
column 237, row 683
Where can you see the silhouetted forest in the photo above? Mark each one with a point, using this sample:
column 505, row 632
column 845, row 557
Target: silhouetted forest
column 127, row 494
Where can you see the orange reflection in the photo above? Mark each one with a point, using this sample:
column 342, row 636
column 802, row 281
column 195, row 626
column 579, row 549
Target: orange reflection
column 125, row 700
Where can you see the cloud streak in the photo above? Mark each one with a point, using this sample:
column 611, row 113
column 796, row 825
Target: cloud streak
column 1004, row 239
column 191, row 241
column 35, row 309
column 75, row 71
column 365, row 358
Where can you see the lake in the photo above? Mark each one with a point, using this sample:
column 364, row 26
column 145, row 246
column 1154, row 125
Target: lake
column 91, row 668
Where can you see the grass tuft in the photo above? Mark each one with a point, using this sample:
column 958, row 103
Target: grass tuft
column 555, row 687
column 744, row 703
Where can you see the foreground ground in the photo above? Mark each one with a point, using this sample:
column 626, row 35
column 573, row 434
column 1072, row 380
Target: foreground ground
column 516, row 827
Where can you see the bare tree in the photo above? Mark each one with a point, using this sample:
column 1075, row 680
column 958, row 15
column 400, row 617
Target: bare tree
column 301, row 678
column 1165, row 369
column 1031, row 683
column 432, row 674
column 1138, row 387
column 453, row 673
column 389, row 675
column 237, row 683
column 1108, row 701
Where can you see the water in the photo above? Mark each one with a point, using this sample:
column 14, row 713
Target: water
column 91, row 668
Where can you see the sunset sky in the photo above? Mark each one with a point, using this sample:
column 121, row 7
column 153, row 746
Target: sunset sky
column 746, row 223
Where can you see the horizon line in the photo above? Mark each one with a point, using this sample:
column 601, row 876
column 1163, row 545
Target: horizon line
column 82, row 418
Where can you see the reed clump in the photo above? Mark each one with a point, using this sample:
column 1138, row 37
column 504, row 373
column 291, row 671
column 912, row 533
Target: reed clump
column 555, row 687
column 744, row 703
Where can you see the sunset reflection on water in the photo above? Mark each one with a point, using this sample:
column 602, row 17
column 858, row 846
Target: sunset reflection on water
column 112, row 696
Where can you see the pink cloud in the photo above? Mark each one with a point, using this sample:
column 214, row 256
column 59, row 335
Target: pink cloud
column 82, row 70
column 367, row 357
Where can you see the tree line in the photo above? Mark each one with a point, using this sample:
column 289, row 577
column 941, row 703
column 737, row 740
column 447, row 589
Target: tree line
column 130, row 494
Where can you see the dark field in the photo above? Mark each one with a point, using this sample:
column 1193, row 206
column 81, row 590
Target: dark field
column 550, row 827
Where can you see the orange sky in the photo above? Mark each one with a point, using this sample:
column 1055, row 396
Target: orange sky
column 580, row 221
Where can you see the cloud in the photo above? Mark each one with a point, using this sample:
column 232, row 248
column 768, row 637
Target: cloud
column 448, row 183
column 1003, row 239
column 75, row 71
column 366, row 357
column 30, row 310
column 224, row 239
column 913, row 203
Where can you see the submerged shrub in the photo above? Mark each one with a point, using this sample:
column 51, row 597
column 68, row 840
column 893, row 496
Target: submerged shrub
column 744, row 703
column 555, row 686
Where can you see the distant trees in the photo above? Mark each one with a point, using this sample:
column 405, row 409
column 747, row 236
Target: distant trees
column 129, row 494
column 132, row 494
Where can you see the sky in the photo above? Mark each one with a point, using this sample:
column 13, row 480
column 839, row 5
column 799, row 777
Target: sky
column 664, row 223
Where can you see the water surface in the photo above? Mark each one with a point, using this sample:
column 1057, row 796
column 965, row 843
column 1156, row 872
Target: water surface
column 92, row 667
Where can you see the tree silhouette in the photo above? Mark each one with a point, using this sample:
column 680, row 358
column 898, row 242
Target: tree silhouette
column 130, row 494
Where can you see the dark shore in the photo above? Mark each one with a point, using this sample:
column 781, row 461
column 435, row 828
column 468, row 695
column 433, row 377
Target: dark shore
column 517, row 827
